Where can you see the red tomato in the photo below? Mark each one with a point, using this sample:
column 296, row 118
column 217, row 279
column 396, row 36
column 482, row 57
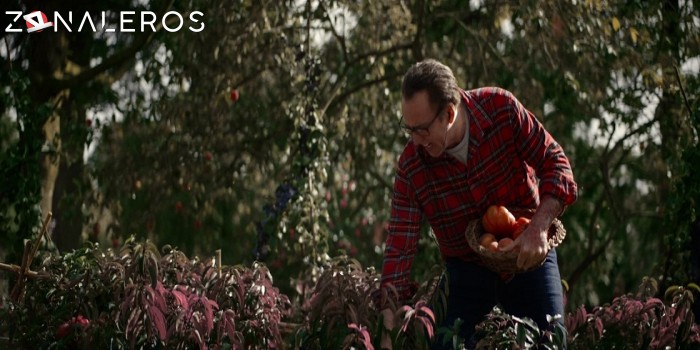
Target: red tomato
column 499, row 221
column 520, row 226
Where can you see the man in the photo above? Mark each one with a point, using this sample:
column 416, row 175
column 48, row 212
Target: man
column 469, row 150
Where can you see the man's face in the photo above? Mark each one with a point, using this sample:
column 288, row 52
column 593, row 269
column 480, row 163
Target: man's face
column 426, row 124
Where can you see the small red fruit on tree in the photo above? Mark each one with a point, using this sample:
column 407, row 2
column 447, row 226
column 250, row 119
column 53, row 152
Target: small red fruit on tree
column 234, row 95
column 62, row 330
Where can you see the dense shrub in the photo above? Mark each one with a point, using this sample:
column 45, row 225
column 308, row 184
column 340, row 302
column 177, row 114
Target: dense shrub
column 343, row 312
column 138, row 298
column 638, row 321
column 502, row 331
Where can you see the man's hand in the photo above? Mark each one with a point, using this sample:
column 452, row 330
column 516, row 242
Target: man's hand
column 533, row 246
column 533, row 242
column 388, row 317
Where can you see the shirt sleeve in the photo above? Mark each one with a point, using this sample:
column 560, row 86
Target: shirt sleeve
column 402, row 240
column 539, row 149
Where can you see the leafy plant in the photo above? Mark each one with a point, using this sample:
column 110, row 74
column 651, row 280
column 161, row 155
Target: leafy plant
column 451, row 334
column 341, row 305
column 344, row 313
column 138, row 298
column 503, row 331
column 21, row 155
column 638, row 321
column 418, row 323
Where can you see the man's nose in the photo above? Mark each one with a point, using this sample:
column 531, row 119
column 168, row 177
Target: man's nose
column 417, row 139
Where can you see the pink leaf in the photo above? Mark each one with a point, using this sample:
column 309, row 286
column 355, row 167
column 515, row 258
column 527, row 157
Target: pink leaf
column 209, row 313
column 428, row 325
column 159, row 300
column 366, row 340
column 404, row 309
column 426, row 310
column 599, row 326
column 230, row 325
column 407, row 320
column 160, row 289
column 158, row 320
column 181, row 299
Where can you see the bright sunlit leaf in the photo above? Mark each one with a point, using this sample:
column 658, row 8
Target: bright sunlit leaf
column 616, row 23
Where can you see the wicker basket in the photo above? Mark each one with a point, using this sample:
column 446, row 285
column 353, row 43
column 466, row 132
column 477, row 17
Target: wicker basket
column 505, row 262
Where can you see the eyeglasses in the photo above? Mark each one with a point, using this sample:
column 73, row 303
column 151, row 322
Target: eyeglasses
column 421, row 130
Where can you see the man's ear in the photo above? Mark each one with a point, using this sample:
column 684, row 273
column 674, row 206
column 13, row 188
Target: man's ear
column 453, row 113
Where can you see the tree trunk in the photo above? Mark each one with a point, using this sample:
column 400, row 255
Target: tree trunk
column 3, row 279
column 50, row 162
column 62, row 173
column 70, row 183
column 68, row 214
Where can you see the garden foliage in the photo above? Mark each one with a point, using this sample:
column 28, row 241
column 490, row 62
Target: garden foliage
column 138, row 297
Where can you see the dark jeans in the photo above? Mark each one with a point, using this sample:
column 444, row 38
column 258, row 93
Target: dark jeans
column 474, row 290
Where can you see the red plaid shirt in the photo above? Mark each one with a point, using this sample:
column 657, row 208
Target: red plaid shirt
column 512, row 161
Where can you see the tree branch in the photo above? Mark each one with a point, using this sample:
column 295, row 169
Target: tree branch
column 9, row 53
column 605, row 166
column 476, row 36
column 355, row 60
column 416, row 44
column 589, row 260
column 685, row 99
column 361, row 203
column 340, row 38
column 117, row 59
column 244, row 80
column 593, row 225
column 376, row 53
column 381, row 180
column 642, row 128
column 18, row 269
column 359, row 87
column 607, row 187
